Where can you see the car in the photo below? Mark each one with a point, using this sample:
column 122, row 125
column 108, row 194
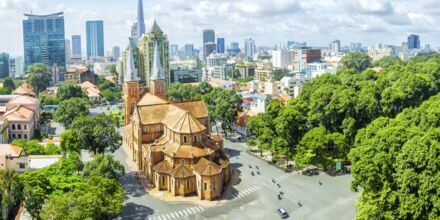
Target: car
column 283, row 213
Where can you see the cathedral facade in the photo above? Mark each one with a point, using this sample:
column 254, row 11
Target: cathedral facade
column 171, row 143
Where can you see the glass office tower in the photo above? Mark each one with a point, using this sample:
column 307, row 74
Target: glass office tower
column 44, row 41
column 95, row 38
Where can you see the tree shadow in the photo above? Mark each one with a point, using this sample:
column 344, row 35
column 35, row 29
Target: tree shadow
column 132, row 186
column 135, row 211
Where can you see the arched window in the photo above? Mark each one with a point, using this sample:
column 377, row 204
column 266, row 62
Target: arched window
column 184, row 139
column 204, row 186
column 187, row 184
column 195, row 139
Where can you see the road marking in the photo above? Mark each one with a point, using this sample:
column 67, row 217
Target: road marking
column 168, row 216
column 172, row 215
column 193, row 210
column 181, row 213
column 201, row 208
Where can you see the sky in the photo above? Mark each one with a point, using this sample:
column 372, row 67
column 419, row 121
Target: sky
column 269, row 22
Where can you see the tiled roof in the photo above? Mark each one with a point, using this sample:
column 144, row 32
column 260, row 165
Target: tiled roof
column 183, row 122
column 91, row 89
column 153, row 114
column 244, row 116
column 23, row 89
column 149, row 99
column 10, row 150
column 196, row 108
column 206, row 168
column 163, row 167
column 182, row 171
column 23, row 100
column 184, row 151
column 19, row 113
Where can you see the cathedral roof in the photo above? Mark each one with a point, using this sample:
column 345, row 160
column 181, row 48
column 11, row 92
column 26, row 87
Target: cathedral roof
column 182, row 122
column 149, row 99
column 156, row 69
column 182, row 171
column 197, row 108
column 155, row 28
column 131, row 73
column 163, row 167
column 175, row 149
column 206, row 168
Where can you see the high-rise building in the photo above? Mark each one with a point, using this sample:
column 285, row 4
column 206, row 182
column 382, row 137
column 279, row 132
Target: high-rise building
column 208, row 38
column 336, row 46
column 189, row 50
column 44, row 40
column 281, row 58
column 210, row 48
column 4, row 65
column 413, row 41
column 221, row 45
column 95, row 38
column 146, row 49
column 249, row 47
column 76, row 45
column 68, row 51
column 116, row 53
column 174, row 48
column 16, row 68
column 234, row 49
column 140, row 23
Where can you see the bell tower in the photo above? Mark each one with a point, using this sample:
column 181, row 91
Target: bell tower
column 131, row 86
column 157, row 79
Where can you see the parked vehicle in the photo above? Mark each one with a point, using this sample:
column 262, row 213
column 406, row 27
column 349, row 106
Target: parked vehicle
column 283, row 213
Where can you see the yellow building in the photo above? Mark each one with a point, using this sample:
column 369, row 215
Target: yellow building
column 171, row 142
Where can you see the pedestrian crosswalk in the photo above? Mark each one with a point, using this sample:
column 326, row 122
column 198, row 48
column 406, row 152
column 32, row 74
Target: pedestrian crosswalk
column 283, row 177
column 236, row 195
column 178, row 214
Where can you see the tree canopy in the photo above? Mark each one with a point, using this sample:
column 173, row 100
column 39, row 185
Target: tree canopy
column 337, row 106
column 395, row 162
column 68, row 110
column 96, row 133
column 356, row 61
column 38, row 77
column 70, row 90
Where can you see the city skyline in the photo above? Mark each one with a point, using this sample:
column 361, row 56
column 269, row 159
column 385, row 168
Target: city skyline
column 369, row 22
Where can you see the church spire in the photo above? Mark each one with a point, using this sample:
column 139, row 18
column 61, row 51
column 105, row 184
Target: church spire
column 140, row 19
column 156, row 70
column 130, row 71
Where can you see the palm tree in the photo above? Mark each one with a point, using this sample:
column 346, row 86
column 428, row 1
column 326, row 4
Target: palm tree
column 11, row 192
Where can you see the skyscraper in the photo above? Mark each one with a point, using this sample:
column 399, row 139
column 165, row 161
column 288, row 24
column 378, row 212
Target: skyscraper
column 116, row 53
column 413, row 41
column 234, row 49
column 4, row 65
column 221, row 45
column 336, row 46
column 189, row 50
column 146, row 49
column 95, row 38
column 249, row 47
column 173, row 50
column 140, row 24
column 76, row 46
column 44, row 40
column 68, row 51
column 208, row 38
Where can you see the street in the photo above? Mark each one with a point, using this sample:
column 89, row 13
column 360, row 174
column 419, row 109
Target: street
column 251, row 197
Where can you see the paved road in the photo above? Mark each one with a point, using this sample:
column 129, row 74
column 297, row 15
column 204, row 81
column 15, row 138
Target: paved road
column 253, row 197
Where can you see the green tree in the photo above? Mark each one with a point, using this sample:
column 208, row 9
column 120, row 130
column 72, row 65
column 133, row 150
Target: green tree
column 104, row 165
column 69, row 110
column 36, row 189
column 9, row 84
column 69, row 142
column 69, row 90
column 10, row 193
column 97, row 133
column 38, row 77
column 356, row 61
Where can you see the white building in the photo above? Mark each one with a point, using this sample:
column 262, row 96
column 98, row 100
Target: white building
column 216, row 59
column 272, row 88
column 281, row 58
column 249, row 47
column 379, row 53
column 16, row 67
column 292, row 86
column 314, row 70
column 259, row 103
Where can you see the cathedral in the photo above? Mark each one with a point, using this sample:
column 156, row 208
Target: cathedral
column 170, row 142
